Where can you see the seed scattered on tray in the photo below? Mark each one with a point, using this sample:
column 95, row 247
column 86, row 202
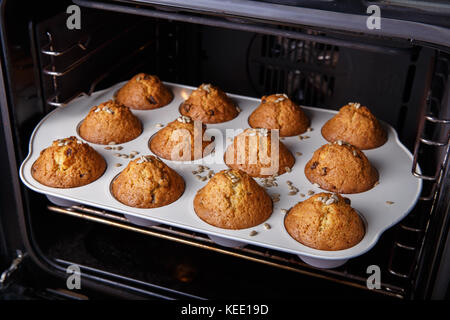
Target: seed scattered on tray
column 134, row 153
column 298, row 154
column 253, row 233
column 119, row 148
column 266, row 226
column 376, row 183
column 108, row 148
column 310, row 192
column 302, row 195
column 238, row 109
column 390, row 202
column 284, row 211
column 117, row 154
column 309, row 129
column 287, row 169
column 159, row 125
column 117, row 165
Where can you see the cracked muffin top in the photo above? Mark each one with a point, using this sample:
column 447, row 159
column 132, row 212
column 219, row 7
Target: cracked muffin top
column 251, row 152
column 68, row 163
column 233, row 200
column 176, row 141
column 325, row 222
column 341, row 167
column 356, row 125
column 110, row 122
column 277, row 111
column 144, row 92
column 147, row 182
column 209, row 104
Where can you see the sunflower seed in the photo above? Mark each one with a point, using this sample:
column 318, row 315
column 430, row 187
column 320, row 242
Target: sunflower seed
column 266, row 225
column 284, row 211
column 302, row 195
column 292, row 193
column 238, row 109
column 298, row 154
column 117, row 165
column 310, row 192
column 134, row 152
column 287, row 169
column 316, row 185
column 108, row 148
column 253, row 233
column 329, row 201
column 309, row 129
column 159, row 125
column 390, row 202
column 111, row 143
column 117, row 154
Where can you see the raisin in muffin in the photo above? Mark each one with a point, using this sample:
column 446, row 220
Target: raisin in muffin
column 325, row 222
column 251, row 152
column 356, row 125
column 144, row 92
column 209, row 104
column 68, row 163
column 232, row 200
column 277, row 111
column 178, row 139
column 341, row 167
column 110, row 122
column 147, row 182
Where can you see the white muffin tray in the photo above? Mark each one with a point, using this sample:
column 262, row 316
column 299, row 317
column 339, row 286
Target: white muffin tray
column 392, row 160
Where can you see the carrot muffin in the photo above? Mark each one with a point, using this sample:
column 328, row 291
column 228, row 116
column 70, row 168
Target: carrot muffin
column 356, row 125
column 144, row 92
column 178, row 139
column 110, row 122
column 325, row 222
column 277, row 111
column 147, row 182
column 232, row 200
column 68, row 163
column 341, row 167
column 209, row 104
column 251, row 152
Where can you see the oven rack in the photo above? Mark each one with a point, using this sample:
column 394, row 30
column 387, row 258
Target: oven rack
column 252, row 253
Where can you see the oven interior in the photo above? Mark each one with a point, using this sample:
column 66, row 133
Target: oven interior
column 404, row 84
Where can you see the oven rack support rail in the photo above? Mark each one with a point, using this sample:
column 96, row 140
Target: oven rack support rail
column 252, row 253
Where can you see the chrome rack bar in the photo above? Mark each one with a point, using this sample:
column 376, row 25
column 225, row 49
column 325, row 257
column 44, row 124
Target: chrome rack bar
column 54, row 99
column 255, row 254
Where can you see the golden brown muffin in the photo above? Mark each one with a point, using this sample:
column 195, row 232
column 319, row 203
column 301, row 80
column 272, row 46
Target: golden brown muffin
column 68, row 163
column 232, row 200
column 209, row 104
column 251, row 152
column 147, row 182
column 176, row 140
column 144, row 92
column 341, row 167
column 325, row 222
column 356, row 125
column 277, row 111
column 110, row 122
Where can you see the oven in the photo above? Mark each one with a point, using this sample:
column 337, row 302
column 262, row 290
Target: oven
column 321, row 53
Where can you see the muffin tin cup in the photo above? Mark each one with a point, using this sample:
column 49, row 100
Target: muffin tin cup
column 224, row 242
column 392, row 160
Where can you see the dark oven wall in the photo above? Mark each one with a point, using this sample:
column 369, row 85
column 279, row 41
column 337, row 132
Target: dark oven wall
column 111, row 47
